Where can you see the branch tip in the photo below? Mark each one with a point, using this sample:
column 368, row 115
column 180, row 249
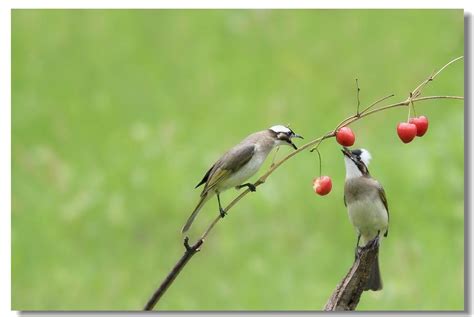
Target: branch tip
column 186, row 244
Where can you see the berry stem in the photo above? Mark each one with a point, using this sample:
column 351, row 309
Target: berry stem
column 413, row 106
column 320, row 162
column 408, row 120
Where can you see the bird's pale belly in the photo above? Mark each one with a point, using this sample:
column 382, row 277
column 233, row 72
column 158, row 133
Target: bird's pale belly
column 368, row 217
column 244, row 173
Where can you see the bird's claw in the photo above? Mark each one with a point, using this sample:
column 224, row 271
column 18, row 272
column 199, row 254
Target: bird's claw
column 251, row 187
column 374, row 243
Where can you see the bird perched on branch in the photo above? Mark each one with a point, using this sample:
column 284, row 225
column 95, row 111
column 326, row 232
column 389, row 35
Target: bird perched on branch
column 239, row 164
column 367, row 206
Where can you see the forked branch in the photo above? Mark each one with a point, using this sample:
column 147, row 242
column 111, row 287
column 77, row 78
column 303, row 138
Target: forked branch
column 414, row 97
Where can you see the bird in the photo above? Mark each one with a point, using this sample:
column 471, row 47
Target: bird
column 367, row 206
column 238, row 164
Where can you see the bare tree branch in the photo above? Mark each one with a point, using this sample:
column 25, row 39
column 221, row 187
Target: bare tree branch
column 348, row 292
column 188, row 254
column 191, row 250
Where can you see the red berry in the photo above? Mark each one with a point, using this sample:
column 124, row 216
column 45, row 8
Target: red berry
column 406, row 131
column 322, row 185
column 421, row 125
column 345, row 136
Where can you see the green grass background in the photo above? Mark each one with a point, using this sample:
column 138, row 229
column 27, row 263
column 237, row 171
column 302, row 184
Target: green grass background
column 117, row 114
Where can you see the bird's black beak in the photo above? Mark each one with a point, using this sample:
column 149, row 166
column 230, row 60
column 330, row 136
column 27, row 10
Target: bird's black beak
column 346, row 152
column 294, row 135
column 292, row 144
column 350, row 155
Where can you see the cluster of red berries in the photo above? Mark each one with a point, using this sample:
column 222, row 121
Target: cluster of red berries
column 417, row 126
column 406, row 131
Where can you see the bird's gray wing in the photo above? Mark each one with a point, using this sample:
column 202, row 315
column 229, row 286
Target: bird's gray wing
column 229, row 163
column 383, row 197
column 237, row 157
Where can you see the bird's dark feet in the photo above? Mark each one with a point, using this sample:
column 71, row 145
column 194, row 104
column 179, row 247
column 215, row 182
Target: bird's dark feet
column 374, row 243
column 251, row 187
column 222, row 212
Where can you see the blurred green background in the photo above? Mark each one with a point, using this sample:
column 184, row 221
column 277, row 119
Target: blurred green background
column 117, row 115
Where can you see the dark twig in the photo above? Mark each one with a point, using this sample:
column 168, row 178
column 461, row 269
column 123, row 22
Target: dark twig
column 347, row 294
column 358, row 96
column 377, row 102
column 188, row 254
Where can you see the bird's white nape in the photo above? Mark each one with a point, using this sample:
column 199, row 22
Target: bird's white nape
column 280, row 128
column 365, row 157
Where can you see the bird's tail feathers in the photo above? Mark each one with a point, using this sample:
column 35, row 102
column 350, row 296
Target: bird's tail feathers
column 374, row 282
column 194, row 213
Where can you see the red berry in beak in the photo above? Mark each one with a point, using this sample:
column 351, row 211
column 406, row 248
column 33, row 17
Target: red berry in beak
column 421, row 125
column 322, row 185
column 406, row 131
column 345, row 136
